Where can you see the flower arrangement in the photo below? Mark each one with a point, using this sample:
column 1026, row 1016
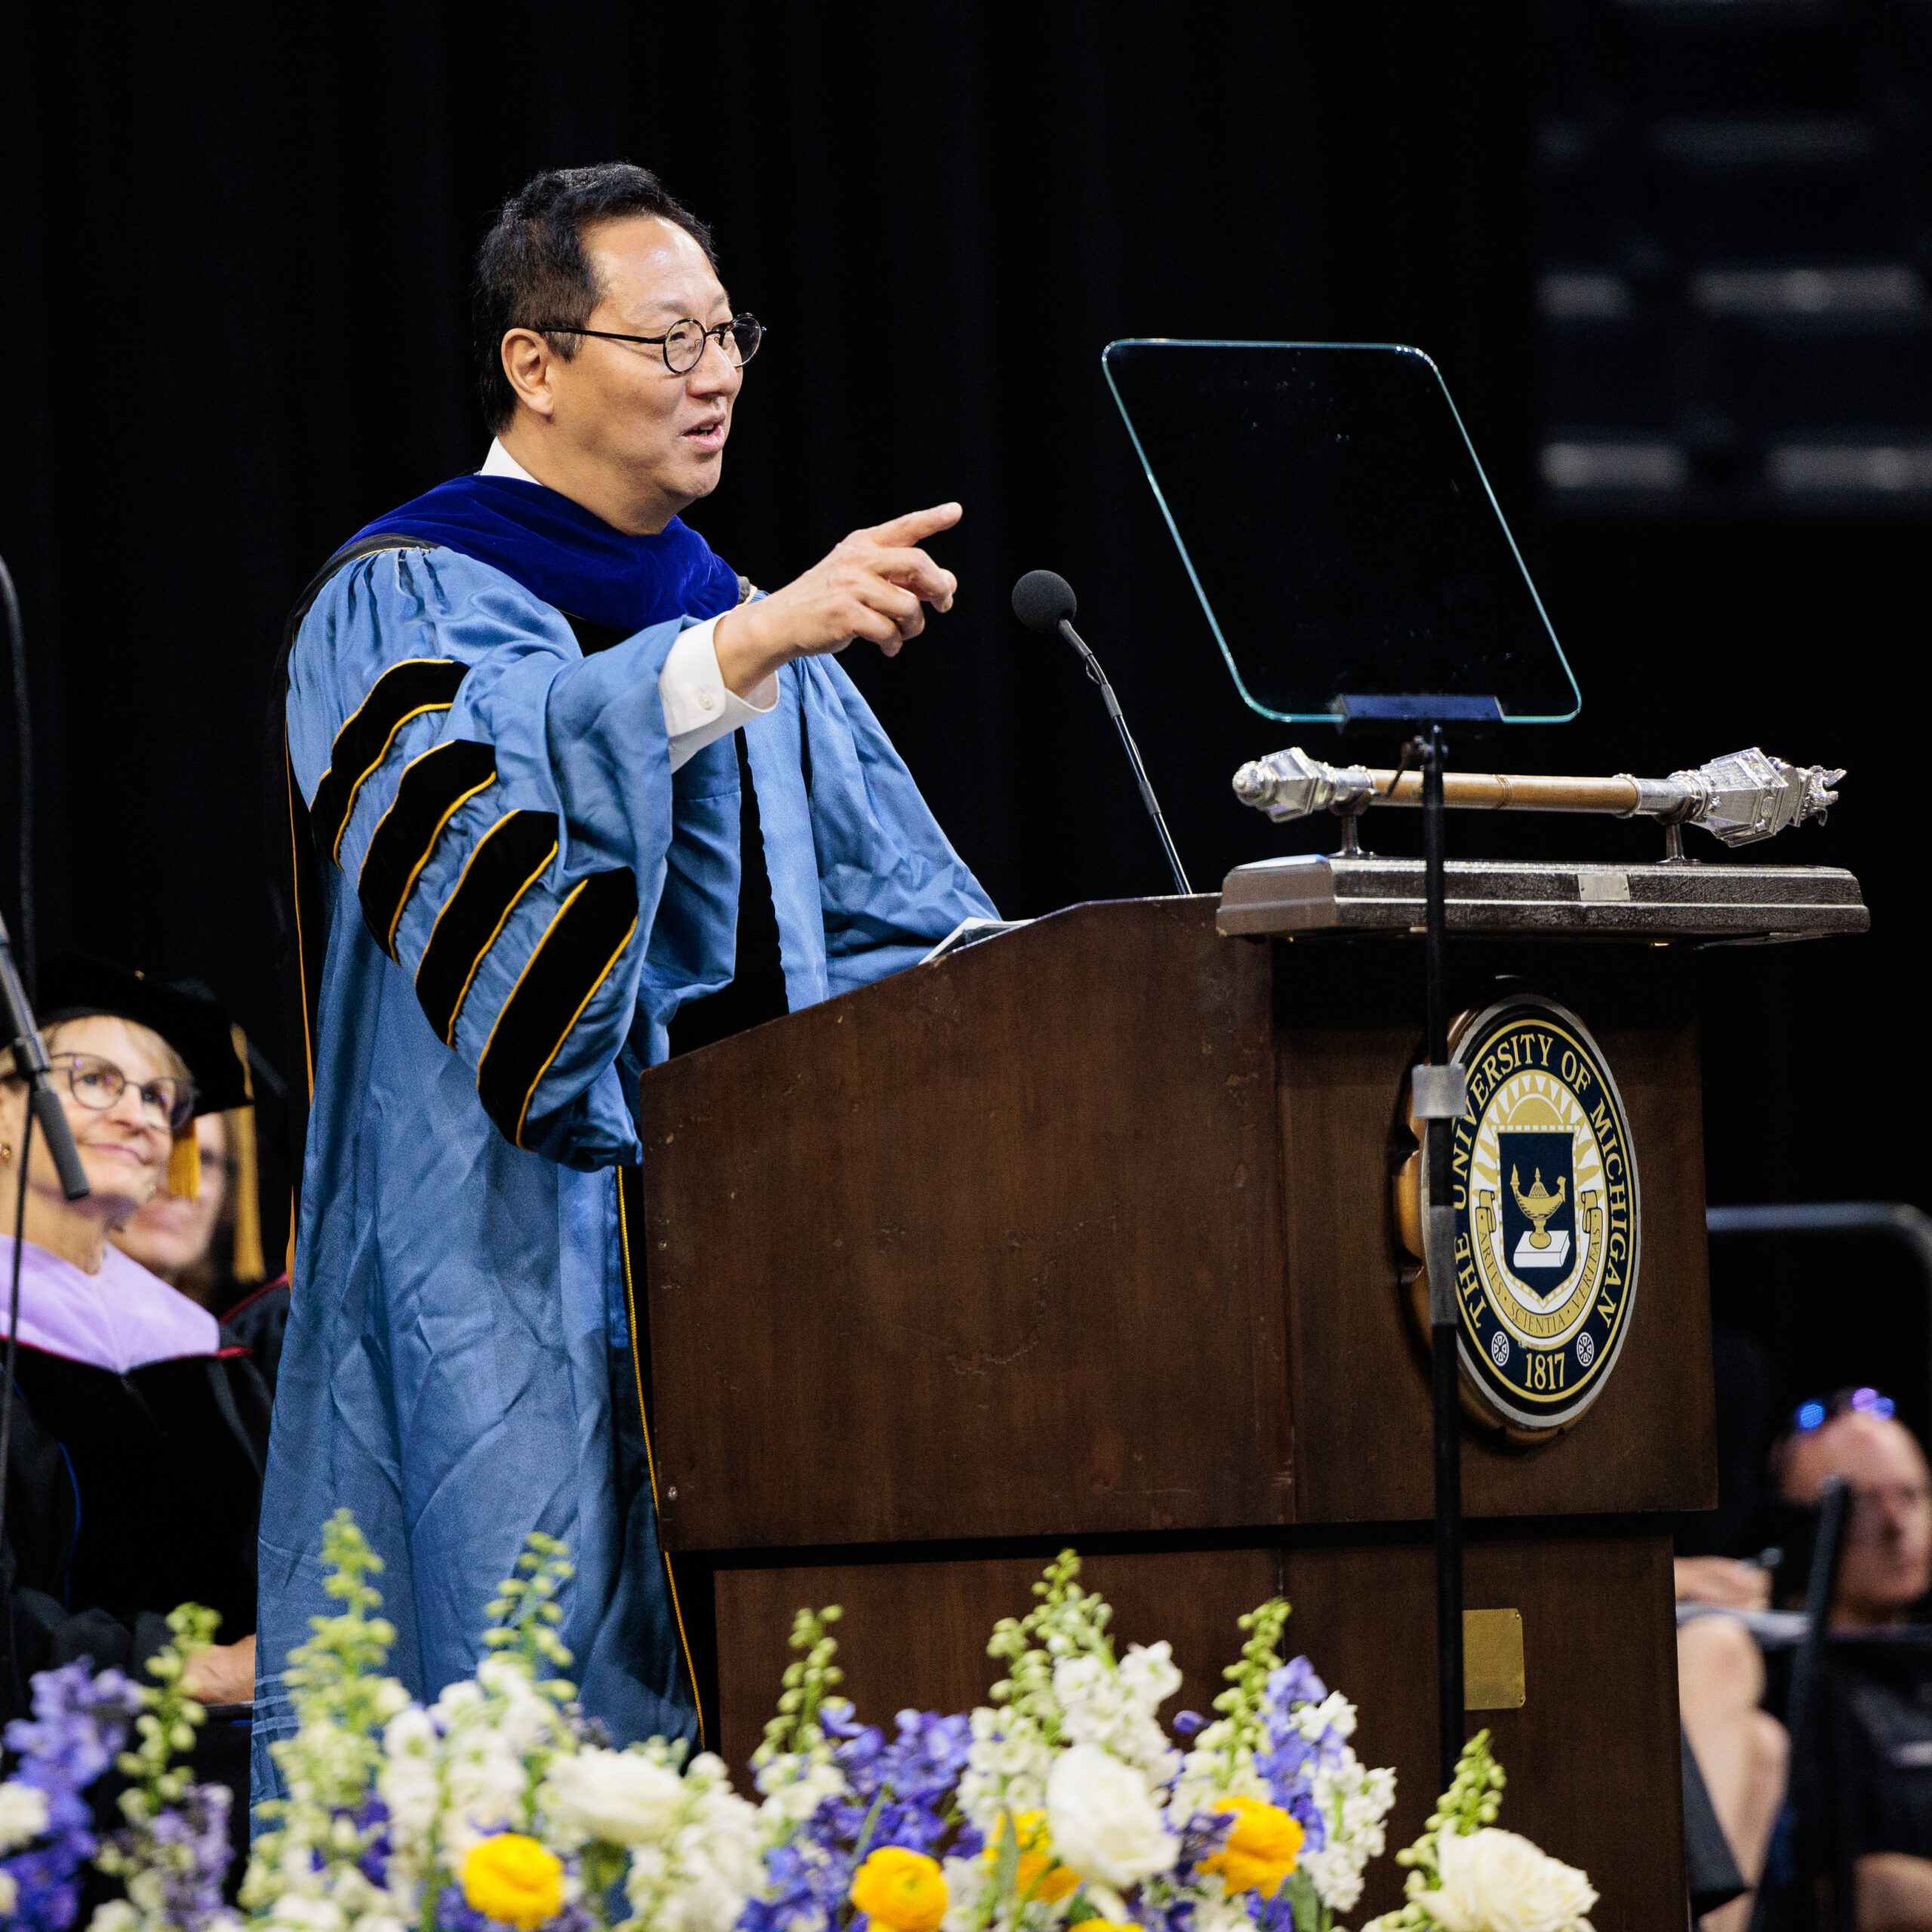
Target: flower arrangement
column 1465, row 1875
column 172, row 1853
column 1061, row 1800
column 495, row 1805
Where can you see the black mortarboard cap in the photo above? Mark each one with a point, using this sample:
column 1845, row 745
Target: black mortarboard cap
column 195, row 1024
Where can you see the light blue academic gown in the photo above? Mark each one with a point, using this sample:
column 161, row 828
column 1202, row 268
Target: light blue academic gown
column 458, row 1324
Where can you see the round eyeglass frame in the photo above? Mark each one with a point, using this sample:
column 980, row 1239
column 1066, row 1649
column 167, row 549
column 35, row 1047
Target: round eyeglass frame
column 179, row 1112
column 735, row 329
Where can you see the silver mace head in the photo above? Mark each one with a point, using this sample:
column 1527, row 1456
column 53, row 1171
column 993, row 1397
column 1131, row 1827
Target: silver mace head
column 1290, row 784
column 1750, row 795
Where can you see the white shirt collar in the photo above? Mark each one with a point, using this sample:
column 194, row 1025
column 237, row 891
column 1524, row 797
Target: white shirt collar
column 500, row 463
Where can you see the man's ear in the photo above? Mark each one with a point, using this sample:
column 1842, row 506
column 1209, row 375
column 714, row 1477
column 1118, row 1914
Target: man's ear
column 528, row 359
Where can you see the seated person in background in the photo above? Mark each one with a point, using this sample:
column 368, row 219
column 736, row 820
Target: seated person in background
column 1740, row 1750
column 174, row 1236
column 209, row 1244
column 1885, row 1570
column 133, row 1469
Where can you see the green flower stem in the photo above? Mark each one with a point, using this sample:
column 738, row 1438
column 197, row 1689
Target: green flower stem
column 807, row 1682
column 1068, row 1622
column 1240, row 1705
column 1473, row 1800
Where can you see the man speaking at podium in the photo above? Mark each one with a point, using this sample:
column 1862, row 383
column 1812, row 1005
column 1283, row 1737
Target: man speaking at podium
column 520, row 712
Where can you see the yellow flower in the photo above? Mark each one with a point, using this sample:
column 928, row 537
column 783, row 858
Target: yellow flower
column 513, row 1880
column 1264, row 1847
column 1038, row 1877
column 903, row 1890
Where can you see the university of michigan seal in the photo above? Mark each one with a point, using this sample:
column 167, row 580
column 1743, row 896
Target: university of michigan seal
column 1547, row 1216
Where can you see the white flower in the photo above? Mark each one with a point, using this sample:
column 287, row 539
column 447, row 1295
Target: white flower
column 301, row 1914
column 966, row 1882
column 22, row 1815
column 1104, row 1822
column 1150, row 1674
column 1353, row 1803
column 1006, row 1767
column 621, row 1797
column 1115, row 1707
column 795, row 1787
column 407, row 1781
column 1334, row 1712
column 698, row 1874
column 1217, row 1912
column 1205, row 1775
column 1495, row 1881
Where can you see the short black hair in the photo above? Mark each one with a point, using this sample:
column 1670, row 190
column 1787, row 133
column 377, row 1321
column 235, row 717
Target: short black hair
column 531, row 265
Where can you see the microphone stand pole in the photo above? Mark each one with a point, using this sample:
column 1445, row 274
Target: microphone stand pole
column 1100, row 677
column 1440, row 1092
column 17, row 1030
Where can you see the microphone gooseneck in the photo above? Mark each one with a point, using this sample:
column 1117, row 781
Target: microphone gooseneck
column 1045, row 603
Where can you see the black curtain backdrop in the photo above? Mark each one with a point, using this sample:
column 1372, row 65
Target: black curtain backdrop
column 235, row 246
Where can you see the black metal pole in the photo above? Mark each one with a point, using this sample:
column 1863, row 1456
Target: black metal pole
column 1147, row 798
column 1442, row 1322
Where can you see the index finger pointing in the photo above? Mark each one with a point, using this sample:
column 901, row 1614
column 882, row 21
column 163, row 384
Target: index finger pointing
column 904, row 533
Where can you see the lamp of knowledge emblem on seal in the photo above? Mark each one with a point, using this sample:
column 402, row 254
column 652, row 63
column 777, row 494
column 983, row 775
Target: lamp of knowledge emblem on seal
column 1544, row 1186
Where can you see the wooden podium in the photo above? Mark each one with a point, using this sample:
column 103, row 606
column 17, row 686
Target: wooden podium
column 1085, row 1235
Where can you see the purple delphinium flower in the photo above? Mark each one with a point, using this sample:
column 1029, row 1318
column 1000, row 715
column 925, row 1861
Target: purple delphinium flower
column 1290, row 1760
column 374, row 1862
column 924, row 1762
column 80, row 1721
column 454, row 1913
column 197, row 1824
column 900, row 1790
column 1156, row 1906
column 1274, row 1914
column 901, row 1795
column 1295, row 1683
column 1188, row 1723
column 1164, row 1912
column 809, row 1881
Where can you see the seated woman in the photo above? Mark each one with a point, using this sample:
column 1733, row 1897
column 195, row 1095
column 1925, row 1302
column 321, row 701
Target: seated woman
column 134, row 1470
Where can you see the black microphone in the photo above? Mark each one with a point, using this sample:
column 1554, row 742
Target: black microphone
column 1045, row 603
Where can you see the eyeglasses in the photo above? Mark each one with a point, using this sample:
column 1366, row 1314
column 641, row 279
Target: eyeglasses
column 683, row 343
column 1820, row 1410
column 96, row 1083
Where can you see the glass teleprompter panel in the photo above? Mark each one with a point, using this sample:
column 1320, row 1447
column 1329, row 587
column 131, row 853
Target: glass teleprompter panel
column 1339, row 532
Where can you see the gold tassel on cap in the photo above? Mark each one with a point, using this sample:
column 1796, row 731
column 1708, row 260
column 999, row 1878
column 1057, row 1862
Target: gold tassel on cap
column 184, row 1164
column 248, row 1265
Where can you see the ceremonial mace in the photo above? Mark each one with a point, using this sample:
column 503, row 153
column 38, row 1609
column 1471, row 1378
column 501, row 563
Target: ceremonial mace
column 1739, row 800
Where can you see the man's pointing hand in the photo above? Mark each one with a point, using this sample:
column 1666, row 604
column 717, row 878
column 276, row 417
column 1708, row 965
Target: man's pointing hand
column 874, row 585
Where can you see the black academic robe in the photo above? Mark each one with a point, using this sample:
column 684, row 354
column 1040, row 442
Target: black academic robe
column 127, row 1495
column 258, row 1321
